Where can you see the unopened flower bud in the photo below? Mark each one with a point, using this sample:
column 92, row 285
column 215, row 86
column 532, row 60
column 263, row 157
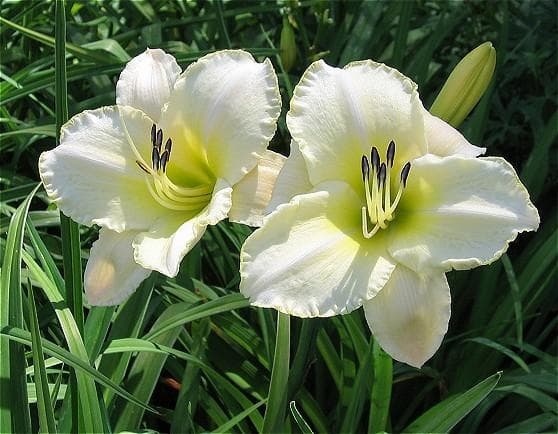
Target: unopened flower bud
column 465, row 85
column 287, row 45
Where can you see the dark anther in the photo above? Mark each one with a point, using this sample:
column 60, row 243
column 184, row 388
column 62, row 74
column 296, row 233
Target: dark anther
column 382, row 174
column 164, row 160
column 155, row 158
column 159, row 141
column 405, row 173
column 153, row 134
column 364, row 167
column 390, row 153
column 168, row 146
column 375, row 159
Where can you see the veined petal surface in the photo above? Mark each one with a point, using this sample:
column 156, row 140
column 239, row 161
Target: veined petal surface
column 222, row 113
column 410, row 315
column 308, row 258
column 459, row 212
column 93, row 176
column 444, row 140
column 174, row 235
column 147, row 81
column 111, row 274
column 337, row 115
column 292, row 179
column 252, row 194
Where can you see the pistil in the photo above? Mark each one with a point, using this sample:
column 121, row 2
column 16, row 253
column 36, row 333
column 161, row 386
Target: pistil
column 379, row 208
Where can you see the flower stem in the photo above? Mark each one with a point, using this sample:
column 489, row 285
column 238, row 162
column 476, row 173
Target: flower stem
column 277, row 397
column 381, row 390
column 71, row 248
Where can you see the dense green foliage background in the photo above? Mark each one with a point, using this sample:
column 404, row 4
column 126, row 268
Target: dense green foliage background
column 190, row 348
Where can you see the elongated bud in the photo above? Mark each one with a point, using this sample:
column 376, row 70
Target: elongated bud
column 465, row 85
column 287, row 45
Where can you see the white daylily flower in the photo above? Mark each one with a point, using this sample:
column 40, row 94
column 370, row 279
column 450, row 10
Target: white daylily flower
column 378, row 200
column 178, row 152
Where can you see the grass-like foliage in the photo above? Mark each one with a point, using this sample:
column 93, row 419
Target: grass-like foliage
column 188, row 354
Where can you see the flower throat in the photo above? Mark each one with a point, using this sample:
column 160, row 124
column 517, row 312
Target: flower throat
column 162, row 189
column 379, row 208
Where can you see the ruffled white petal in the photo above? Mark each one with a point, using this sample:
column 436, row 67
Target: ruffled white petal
column 111, row 274
column 93, row 176
column 309, row 258
column 147, row 81
column 223, row 112
column 410, row 316
column 292, row 179
column 173, row 236
column 251, row 195
column 459, row 212
column 444, row 140
column 337, row 115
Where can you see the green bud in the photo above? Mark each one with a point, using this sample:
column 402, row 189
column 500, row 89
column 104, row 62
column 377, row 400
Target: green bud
column 287, row 45
column 465, row 85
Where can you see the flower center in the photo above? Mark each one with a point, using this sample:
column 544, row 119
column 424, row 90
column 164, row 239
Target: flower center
column 161, row 187
column 379, row 208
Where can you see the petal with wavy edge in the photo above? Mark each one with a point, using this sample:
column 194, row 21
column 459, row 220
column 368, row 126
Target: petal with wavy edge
column 292, row 179
column 111, row 274
column 93, row 176
column 171, row 237
column 459, row 212
column 337, row 115
column 410, row 315
column 310, row 259
column 147, row 81
column 221, row 116
column 251, row 195
column 444, row 140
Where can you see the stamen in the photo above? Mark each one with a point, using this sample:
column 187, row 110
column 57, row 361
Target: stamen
column 142, row 167
column 405, row 173
column 201, row 190
column 163, row 201
column 379, row 208
column 168, row 146
column 365, row 232
column 390, row 154
column 161, row 188
column 153, row 134
column 165, row 191
column 155, row 158
column 372, row 208
column 164, row 160
column 382, row 175
column 375, row 159
column 364, row 167
column 381, row 192
column 159, row 140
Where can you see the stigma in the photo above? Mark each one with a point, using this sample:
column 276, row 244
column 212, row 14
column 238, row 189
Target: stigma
column 376, row 175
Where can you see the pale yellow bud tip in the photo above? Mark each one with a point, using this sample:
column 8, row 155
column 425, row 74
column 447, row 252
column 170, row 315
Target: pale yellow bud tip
column 465, row 85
